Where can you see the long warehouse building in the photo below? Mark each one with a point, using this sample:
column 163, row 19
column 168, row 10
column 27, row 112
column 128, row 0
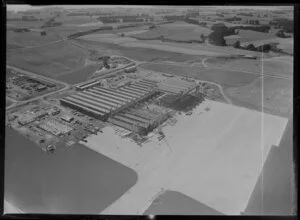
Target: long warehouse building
column 101, row 103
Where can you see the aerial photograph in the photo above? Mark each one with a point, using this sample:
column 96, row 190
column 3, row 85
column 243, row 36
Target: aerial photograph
column 149, row 110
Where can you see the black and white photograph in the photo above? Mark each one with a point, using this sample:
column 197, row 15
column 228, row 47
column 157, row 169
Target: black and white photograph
column 149, row 110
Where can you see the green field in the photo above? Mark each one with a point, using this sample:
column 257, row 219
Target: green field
column 245, row 36
column 281, row 66
column 180, row 31
column 29, row 38
column 225, row 78
column 276, row 98
column 78, row 75
column 138, row 53
column 50, row 60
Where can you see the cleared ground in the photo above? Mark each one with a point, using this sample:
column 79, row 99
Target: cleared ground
column 223, row 77
column 50, row 60
column 175, row 203
column 73, row 180
column 218, row 167
column 277, row 95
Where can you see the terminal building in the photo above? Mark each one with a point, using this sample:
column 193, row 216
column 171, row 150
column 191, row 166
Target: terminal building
column 101, row 103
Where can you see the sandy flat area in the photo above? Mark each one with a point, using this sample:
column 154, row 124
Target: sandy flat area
column 212, row 156
column 10, row 209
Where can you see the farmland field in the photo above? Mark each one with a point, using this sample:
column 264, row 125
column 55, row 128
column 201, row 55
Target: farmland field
column 29, row 38
column 25, row 24
column 282, row 66
column 78, row 75
column 277, row 95
column 249, row 36
column 50, row 60
column 223, row 77
column 176, row 31
column 286, row 44
column 184, row 48
column 107, row 38
column 139, row 53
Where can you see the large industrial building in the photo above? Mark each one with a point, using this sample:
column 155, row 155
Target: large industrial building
column 100, row 102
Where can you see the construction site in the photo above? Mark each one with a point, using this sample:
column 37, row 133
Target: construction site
column 22, row 87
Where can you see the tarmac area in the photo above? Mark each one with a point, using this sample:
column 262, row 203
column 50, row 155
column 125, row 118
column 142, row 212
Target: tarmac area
column 214, row 156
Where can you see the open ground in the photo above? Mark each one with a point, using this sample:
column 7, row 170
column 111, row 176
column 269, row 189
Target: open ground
column 224, row 158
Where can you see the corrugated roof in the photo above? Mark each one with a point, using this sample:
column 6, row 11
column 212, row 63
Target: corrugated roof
column 95, row 103
column 106, row 97
column 114, row 92
column 83, row 107
column 85, row 104
column 99, row 99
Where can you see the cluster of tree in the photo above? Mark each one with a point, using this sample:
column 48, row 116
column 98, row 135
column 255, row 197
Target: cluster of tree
column 203, row 24
column 262, row 48
column 82, row 33
column 220, row 31
column 233, row 19
column 29, row 18
column 254, row 22
column 286, row 24
column 128, row 18
column 191, row 21
column 20, row 30
column 51, row 22
column 245, row 14
column 174, row 17
column 95, row 13
column 193, row 14
column 281, row 34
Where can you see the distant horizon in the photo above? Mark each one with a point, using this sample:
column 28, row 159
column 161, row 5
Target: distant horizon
column 24, row 7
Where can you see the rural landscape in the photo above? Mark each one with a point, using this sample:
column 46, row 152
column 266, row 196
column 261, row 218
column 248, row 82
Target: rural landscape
column 149, row 110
